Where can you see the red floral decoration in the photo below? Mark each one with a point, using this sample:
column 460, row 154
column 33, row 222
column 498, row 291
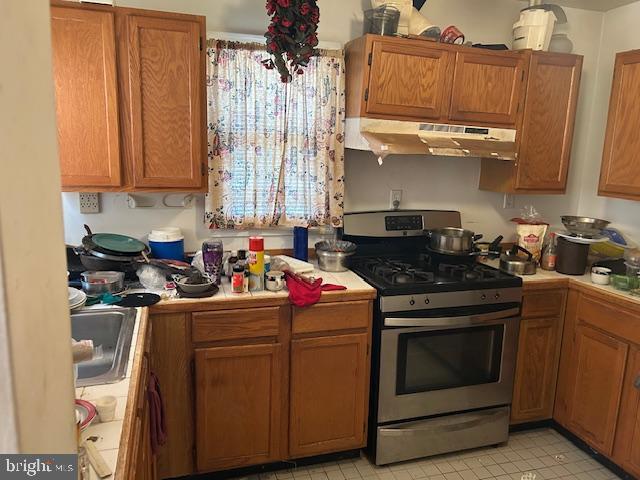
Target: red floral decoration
column 291, row 37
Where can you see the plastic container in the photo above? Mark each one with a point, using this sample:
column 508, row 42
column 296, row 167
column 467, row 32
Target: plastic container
column 167, row 243
column 212, row 253
column 301, row 243
column 383, row 20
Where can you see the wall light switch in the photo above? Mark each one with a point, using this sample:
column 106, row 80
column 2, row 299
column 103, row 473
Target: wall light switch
column 89, row 202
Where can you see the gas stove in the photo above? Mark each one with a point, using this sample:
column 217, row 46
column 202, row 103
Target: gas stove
column 444, row 341
column 421, row 273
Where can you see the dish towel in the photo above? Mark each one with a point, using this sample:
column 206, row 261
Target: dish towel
column 304, row 292
column 156, row 414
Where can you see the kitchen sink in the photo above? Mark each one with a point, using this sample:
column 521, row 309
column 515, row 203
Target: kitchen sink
column 112, row 329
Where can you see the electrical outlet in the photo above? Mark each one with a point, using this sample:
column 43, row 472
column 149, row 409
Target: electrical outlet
column 395, row 198
column 89, row 202
column 509, row 201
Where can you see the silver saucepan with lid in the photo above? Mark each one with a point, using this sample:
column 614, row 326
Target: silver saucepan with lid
column 452, row 240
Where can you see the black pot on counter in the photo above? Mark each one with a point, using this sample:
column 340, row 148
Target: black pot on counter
column 572, row 257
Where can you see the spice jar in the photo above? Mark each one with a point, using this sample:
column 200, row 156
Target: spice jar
column 237, row 280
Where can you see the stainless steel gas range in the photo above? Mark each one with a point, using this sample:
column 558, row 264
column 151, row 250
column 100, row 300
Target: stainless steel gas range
column 444, row 342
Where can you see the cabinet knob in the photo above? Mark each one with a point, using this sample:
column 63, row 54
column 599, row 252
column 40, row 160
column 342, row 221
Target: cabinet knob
column 637, row 382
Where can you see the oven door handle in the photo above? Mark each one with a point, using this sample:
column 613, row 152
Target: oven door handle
column 448, row 322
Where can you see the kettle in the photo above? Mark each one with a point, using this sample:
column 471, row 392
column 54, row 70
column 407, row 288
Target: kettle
column 515, row 264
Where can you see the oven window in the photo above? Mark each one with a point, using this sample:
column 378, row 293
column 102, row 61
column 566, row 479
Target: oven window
column 448, row 358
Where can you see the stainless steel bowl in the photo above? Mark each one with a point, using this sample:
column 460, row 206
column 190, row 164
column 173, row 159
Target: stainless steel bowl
column 334, row 256
column 584, row 226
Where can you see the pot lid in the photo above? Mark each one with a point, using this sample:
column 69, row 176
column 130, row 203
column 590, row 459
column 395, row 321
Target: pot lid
column 117, row 243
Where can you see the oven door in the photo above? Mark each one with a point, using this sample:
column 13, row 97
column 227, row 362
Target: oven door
column 430, row 366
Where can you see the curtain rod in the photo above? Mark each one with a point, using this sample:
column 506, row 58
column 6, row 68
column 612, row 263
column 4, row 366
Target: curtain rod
column 248, row 38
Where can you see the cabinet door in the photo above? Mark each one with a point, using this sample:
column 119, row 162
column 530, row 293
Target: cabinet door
column 84, row 72
column 165, row 133
column 549, row 116
column 627, row 445
column 596, row 376
column 487, row 88
column 238, row 394
column 620, row 173
column 536, row 369
column 409, row 80
column 328, row 394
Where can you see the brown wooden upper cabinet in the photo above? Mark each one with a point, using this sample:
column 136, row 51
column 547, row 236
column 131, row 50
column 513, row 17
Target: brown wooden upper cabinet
column 409, row 80
column 84, row 67
column 487, row 87
column 414, row 80
column 130, row 98
column 620, row 173
column 546, row 134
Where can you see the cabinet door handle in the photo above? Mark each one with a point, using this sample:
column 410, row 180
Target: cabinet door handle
column 637, row 382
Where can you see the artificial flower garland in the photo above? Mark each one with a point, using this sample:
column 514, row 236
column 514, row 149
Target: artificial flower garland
column 291, row 37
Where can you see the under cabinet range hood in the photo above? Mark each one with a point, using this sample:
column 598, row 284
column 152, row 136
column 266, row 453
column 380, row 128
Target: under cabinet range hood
column 386, row 137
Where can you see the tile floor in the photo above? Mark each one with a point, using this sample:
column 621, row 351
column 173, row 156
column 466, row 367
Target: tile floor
column 533, row 455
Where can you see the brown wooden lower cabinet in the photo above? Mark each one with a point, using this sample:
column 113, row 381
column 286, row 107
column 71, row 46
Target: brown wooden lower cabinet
column 597, row 397
column 238, row 407
column 595, row 387
column 328, row 394
column 538, row 355
column 269, row 383
column 626, row 450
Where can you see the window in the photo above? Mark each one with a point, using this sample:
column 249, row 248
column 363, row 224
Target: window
column 276, row 151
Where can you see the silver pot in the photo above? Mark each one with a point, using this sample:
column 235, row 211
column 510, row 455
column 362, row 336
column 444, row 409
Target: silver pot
column 511, row 262
column 452, row 241
column 334, row 256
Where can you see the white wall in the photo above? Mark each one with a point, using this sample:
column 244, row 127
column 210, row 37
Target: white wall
column 620, row 33
column 35, row 311
column 427, row 182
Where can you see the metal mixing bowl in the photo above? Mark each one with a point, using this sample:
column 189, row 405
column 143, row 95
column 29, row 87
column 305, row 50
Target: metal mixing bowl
column 586, row 227
column 334, row 256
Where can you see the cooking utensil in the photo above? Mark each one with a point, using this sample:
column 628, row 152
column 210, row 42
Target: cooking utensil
column 112, row 244
column 452, row 240
column 185, row 286
column 334, row 256
column 139, row 300
column 511, row 262
column 99, row 282
column 584, row 226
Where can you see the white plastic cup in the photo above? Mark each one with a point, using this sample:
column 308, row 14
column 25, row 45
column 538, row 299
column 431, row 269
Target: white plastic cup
column 106, row 407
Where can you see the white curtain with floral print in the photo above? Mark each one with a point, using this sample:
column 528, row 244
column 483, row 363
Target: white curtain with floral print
column 276, row 150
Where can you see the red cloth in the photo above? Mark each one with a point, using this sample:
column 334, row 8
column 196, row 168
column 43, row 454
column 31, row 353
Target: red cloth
column 303, row 293
column 156, row 412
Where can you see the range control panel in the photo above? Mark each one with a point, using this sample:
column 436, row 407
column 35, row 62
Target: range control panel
column 403, row 223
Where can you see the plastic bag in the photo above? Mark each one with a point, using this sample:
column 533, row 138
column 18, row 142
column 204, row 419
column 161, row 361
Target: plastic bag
column 151, row 277
column 531, row 230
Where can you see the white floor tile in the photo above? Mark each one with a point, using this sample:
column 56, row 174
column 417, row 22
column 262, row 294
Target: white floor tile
column 543, row 453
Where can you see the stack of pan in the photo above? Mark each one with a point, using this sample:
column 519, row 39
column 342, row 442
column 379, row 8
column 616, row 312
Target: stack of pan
column 110, row 251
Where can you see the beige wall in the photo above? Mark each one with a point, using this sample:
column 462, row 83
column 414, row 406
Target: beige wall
column 428, row 182
column 33, row 271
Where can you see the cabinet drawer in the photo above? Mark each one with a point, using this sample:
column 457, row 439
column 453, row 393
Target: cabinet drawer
column 548, row 303
column 235, row 324
column 609, row 317
column 324, row 317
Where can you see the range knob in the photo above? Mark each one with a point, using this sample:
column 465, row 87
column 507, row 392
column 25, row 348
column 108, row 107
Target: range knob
column 427, row 301
column 497, row 295
column 483, row 297
column 412, row 302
